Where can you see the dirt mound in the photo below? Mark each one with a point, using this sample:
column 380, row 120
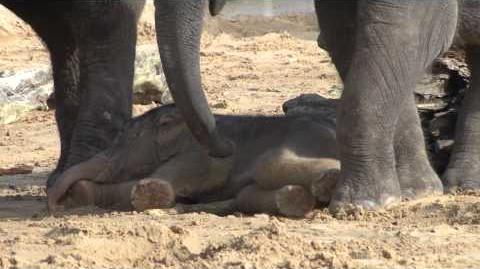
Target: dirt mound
column 429, row 233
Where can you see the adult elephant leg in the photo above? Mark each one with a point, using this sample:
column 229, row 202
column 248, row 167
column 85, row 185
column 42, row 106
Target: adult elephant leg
column 395, row 40
column 463, row 171
column 105, row 33
column 67, row 98
column 413, row 169
column 416, row 175
column 179, row 28
column 337, row 21
column 55, row 32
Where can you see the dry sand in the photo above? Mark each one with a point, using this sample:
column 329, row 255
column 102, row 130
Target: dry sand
column 243, row 73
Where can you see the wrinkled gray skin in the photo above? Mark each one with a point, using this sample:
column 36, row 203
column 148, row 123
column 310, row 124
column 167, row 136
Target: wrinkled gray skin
column 463, row 171
column 281, row 158
column 380, row 141
column 380, row 48
column 92, row 50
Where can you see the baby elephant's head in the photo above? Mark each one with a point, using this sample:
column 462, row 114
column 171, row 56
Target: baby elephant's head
column 145, row 143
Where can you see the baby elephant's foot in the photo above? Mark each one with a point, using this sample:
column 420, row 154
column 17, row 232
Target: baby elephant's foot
column 290, row 201
column 294, row 201
column 82, row 193
column 323, row 187
column 152, row 193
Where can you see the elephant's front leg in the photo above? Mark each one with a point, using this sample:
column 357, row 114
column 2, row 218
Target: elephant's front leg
column 67, row 100
column 416, row 175
column 56, row 33
column 395, row 41
column 463, row 171
column 106, row 51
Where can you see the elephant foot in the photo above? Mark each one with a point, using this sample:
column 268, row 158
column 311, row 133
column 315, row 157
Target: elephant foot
column 369, row 194
column 462, row 179
column 294, row 201
column 83, row 193
column 323, row 187
column 152, row 193
column 418, row 179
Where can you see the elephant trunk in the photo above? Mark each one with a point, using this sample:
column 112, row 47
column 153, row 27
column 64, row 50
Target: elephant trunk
column 85, row 170
column 179, row 28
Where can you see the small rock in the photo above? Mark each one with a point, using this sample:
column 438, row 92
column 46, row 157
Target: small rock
column 50, row 259
column 387, row 254
column 222, row 104
column 155, row 212
column 261, row 216
column 178, row 229
column 315, row 245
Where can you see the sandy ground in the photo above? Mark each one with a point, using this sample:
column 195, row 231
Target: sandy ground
column 243, row 73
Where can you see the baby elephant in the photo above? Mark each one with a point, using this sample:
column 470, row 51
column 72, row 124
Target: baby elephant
column 282, row 165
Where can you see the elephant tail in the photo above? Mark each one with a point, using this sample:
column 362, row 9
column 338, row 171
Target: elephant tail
column 86, row 170
column 215, row 6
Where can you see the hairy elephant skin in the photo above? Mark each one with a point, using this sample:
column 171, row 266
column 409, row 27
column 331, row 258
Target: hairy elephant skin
column 277, row 169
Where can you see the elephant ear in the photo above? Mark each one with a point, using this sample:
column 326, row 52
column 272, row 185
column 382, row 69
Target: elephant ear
column 215, row 6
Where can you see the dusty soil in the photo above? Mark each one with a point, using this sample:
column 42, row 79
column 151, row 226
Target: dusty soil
column 243, row 73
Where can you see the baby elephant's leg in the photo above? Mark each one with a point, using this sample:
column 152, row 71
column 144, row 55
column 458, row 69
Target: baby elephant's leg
column 152, row 193
column 290, row 201
column 281, row 167
column 89, row 193
column 130, row 195
column 192, row 174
